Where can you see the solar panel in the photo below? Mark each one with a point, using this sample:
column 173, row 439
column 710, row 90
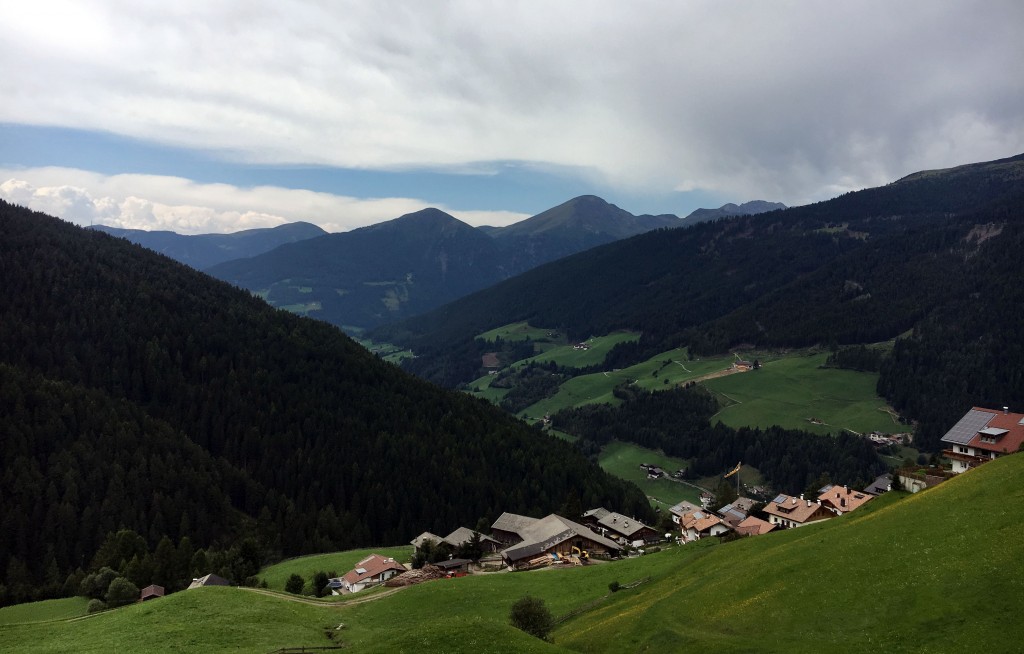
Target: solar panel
column 968, row 426
column 780, row 499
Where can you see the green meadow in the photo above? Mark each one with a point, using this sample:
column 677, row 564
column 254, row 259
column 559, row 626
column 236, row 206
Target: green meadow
column 791, row 390
column 570, row 357
column 939, row 571
column 55, row 609
column 520, row 331
column 623, row 461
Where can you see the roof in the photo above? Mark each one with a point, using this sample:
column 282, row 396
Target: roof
column 880, row 485
column 209, row 580
column 683, row 508
column 733, row 517
column 1005, row 428
column 370, row 567
column 513, row 522
column 597, row 513
column 792, row 508
column 752, row 526
column 843, row 499
column 152, row 590
column 464, row 535
column 425, row 536
column 452, row 563
column 548, row 532
column 701, row 521
column 621, row 524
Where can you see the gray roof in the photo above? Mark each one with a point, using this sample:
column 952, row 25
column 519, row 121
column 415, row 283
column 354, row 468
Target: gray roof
column 513, row 522
column 425, row 536
column 548, row 532
column 880, row 485
column 597, row 513
column 684, row 507
column 452, row 563
column 463, row 535
column 209, row 580
column 621, row 524
column 968, row 427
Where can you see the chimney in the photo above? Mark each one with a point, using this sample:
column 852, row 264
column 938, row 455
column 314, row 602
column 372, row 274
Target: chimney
column 808, row 502
column 846, row 489
column 801, row 496
column 1006, row 410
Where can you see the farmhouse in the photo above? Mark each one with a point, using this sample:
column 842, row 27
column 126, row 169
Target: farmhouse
column 982, row 435
column 840, row 499
column 734, row 513
column 620, row 527
column 752, row 526
column 787, row 512
column 373, row 570
column 464, row 535
column 530, row 538
column 701, row 524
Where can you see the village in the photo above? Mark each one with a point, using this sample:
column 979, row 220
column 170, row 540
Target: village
column 522, row 543
column 518, row 543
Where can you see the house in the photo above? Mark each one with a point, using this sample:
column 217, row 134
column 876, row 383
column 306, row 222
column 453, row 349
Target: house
column 209, row 580
column 734, row 513
column 424, row 537
column 620, row 527
column 464, row 535
column 374, row 569
column 751, row 526
column 151, row 592
column 787, row 512
column 681, row 509
column 840, row 499
column 552, row 535
column 701, row 524
column 881, row 485
column 982, row 435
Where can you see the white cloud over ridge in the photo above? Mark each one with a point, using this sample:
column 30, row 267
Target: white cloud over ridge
column 153, row 202
column 785, row 100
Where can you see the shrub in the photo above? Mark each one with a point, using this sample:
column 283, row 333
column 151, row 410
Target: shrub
column 96, row 605
column 531, row 615
column 295, row 584
column 614, row 586
column 121, row 592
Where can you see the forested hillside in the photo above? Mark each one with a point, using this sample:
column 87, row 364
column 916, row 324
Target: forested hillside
column 143, row 395
column 933, row 253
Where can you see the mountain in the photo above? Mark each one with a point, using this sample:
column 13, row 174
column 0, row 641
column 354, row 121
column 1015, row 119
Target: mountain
column 204, row 250
column 925, row 253
column 141, row 396
column 376, row 274
column 387, row 272
column 729, row 209
column 574, row 226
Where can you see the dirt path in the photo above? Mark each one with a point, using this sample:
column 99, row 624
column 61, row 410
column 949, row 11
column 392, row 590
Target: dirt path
column 319, row 602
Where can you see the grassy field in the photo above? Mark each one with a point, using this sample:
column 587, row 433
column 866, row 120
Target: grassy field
column 340, row 562
column 623, row 460
column 939, row 571
column 55, row 609
column 788, row 391
column 485, row 391
column 520, row 331
column 386, row 351
column 566, row 355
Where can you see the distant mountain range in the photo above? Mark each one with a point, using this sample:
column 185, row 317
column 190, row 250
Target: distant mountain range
column 730, row 209
column 204, row 250
column 392, row 270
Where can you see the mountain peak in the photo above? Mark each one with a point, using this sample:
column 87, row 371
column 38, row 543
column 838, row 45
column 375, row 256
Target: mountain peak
column 730, row 209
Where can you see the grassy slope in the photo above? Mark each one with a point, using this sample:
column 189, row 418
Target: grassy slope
column 340, row 562
column 623, row 460
column 565, row 355
column 787, row 391
column 518, row 331
column 55, row 609
column 940, row 571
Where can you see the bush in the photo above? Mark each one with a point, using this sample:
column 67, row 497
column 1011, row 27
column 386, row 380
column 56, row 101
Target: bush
column 614, row 586
column 320, row 580
column 531, row 615
column 121, row 592
column 96, row 605
column 295, row 584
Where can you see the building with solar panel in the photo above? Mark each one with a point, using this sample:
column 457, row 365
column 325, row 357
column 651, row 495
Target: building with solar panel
column 982, row 435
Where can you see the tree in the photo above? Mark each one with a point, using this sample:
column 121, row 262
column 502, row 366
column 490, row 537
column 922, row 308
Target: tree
column 531, row 615
column 121, row 592
column 725, row 494
column 320, row 580
column 295, row 584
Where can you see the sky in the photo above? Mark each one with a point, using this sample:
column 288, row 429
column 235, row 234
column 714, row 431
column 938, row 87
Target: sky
column 200, row 116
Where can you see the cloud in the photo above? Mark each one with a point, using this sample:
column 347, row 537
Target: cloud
column 153, row 202
column 786, row 100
